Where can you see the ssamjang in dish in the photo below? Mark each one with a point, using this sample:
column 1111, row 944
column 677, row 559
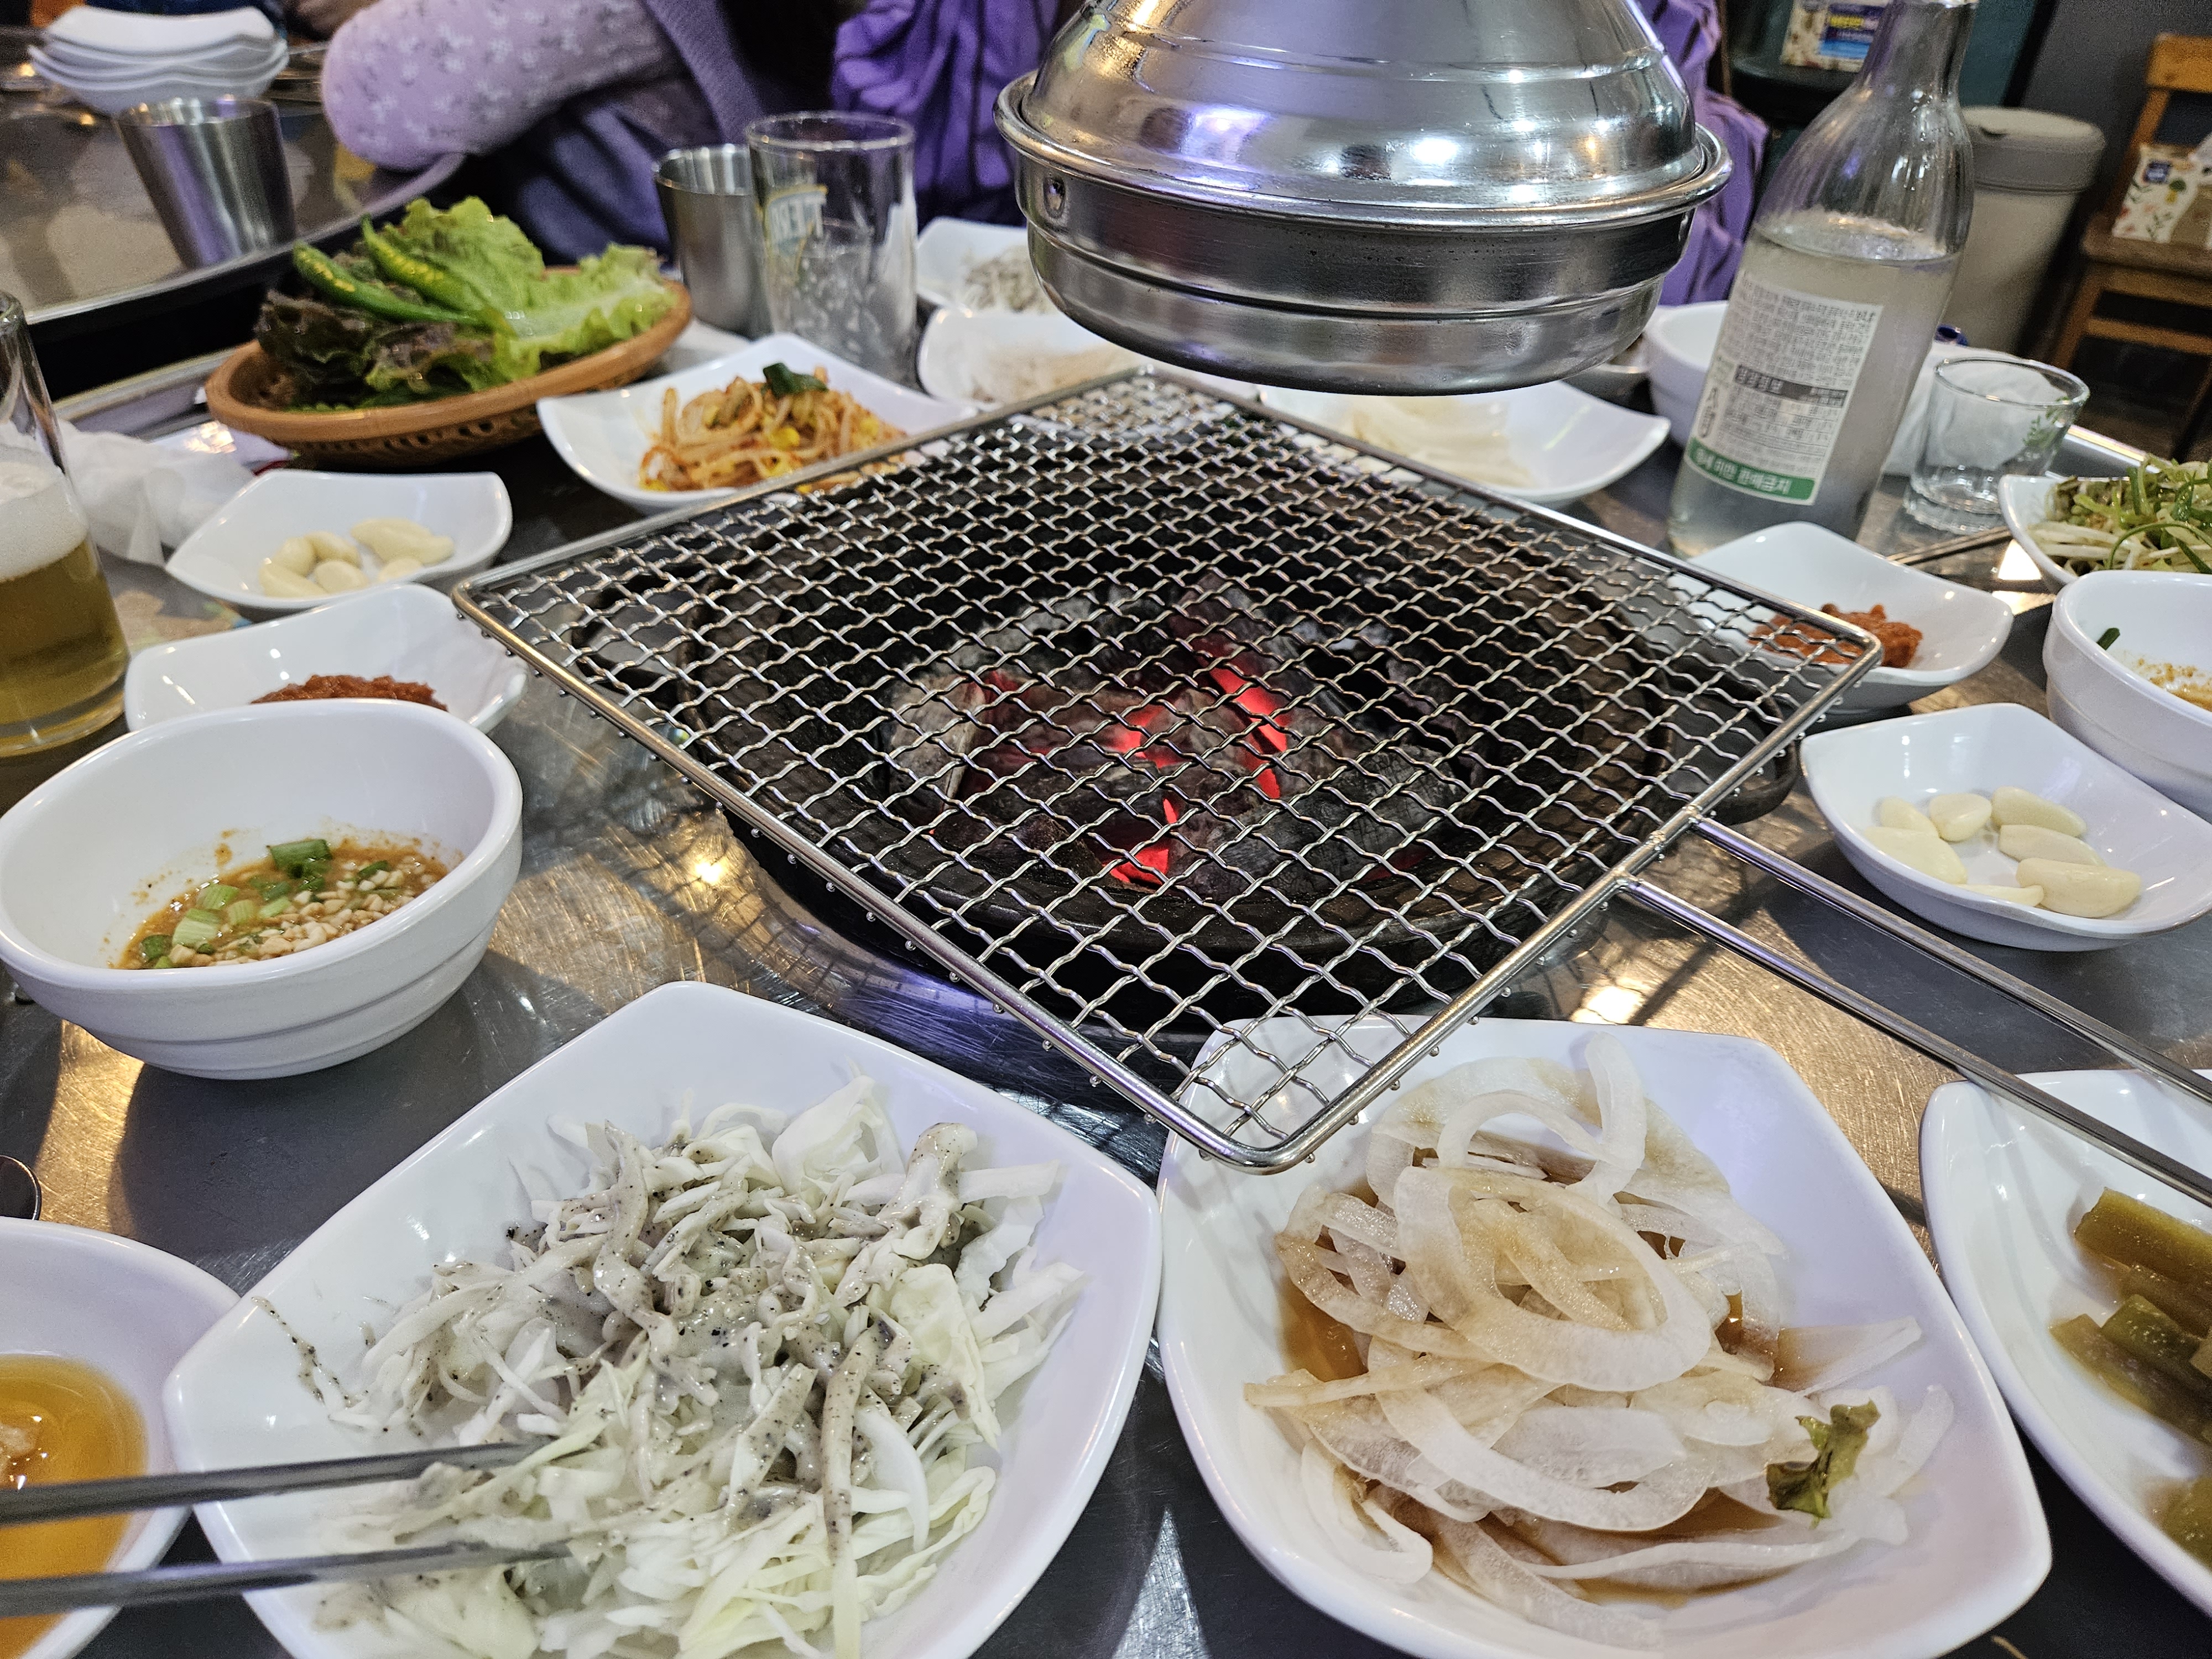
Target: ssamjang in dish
column 303, row 894
column 763, row 1356
column 1569, row 1368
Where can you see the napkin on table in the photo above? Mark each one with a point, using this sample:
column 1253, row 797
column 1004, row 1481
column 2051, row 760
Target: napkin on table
column 139, row 497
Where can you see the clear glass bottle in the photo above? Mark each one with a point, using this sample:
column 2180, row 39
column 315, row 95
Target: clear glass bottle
column 62, row 655
column 1844, row 277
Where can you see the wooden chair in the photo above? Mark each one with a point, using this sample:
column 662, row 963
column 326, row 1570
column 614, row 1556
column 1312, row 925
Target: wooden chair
column 2149, row 270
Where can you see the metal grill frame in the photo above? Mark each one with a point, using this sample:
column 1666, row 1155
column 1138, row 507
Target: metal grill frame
column 480, row 597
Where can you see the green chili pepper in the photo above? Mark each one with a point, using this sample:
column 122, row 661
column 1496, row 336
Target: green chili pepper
column 2104, row 640
column 322, row 273
column 432, row 282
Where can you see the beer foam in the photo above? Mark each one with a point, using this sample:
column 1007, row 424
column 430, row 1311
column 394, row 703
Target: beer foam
column 39, row 518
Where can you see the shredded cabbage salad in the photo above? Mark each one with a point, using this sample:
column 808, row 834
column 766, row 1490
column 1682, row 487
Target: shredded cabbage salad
column 762, row 1355
column 1575, row 1368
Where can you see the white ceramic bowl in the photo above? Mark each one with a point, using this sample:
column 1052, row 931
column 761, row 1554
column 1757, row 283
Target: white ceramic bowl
column 405, row 630
column 89, row 854
column 1979, row 1546
column 1981, row 748
column 128, row 1311
column 1569, row 442
column 2003, row 1191
column 1678, row 349
column 1963, row 629
column 948, row 248
column 2025, row 503
column 680, row 1050
column 604, row 435
column 223, row 558
column 2103, row 697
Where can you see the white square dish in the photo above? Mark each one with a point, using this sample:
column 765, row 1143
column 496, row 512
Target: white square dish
column 948, row 249
column 1980, row 749
column 1978, row 1546
column 604, row 435
column 405, row 630
column 1569, row 442
column 223, row 558
column 1962, row 629
column 237, row 1397
column 2003, row 1191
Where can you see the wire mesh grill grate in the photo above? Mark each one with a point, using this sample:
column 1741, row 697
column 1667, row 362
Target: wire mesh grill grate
column 1177, row 726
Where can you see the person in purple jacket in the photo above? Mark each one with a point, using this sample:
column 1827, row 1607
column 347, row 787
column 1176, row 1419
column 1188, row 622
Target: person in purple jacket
column 575, row 100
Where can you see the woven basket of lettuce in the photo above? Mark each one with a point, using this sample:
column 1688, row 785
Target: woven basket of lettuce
column 436, row 337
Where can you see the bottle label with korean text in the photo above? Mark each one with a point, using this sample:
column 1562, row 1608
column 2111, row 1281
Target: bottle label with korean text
column 1775, row 398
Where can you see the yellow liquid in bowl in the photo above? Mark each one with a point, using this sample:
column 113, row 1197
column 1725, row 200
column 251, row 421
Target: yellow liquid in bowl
column 61, row 1420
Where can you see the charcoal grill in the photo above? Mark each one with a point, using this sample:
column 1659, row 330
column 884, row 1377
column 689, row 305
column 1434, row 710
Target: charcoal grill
column 1174, row 725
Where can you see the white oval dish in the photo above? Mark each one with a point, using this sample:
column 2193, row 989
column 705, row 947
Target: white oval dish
column 604, row 435
column 129, row 1312
column 1981, row 748
column 681, row 1048
column 2025, row 503
column 948, row 249
column 407, row 631
column 1979, row 1548
column 86, row 856
column 2102, row 698
column 223, row 558
column 1569, row 442
column 2003, row 1191
column 964, row 355
column 1963, row 629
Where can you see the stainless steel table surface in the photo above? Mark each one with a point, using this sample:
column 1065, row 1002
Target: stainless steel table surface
column 629, row 880
column 80, row 243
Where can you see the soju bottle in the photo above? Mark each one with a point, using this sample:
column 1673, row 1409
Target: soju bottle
column 1845, row 276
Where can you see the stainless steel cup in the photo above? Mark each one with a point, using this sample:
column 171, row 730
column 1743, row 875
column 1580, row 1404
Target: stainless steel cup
column 215, row 167
column 707, row 199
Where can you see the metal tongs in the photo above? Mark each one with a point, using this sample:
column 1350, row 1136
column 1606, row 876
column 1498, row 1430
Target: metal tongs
column 68, row 1499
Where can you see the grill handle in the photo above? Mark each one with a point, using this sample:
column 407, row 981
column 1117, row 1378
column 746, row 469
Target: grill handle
column 1763, row 791
column 2148, row 1159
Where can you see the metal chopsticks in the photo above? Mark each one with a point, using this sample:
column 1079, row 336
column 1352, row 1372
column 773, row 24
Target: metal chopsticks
column 198, row 1581
column 202, row 1581
column 67, row 1498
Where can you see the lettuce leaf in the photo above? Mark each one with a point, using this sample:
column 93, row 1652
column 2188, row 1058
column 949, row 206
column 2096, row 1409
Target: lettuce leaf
column 535, row 313
column 333, row 356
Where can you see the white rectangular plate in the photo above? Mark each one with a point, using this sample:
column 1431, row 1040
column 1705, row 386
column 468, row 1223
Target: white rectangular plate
column 604, row 435
column 2003, row 1191
column 1979, row 1546
column 237, row 1397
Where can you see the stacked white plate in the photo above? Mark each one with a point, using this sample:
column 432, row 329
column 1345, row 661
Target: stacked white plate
column 114, row 60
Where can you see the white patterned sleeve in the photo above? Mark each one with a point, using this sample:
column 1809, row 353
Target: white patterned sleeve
column 408, row 80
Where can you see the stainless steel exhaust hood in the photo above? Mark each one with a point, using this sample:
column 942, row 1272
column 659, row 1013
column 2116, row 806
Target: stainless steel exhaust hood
column 1402, row 196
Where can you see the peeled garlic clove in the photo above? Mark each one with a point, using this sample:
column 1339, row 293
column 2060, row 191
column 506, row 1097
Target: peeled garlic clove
column 282, row 582
column 1923, row 849
column 2028, row 896
column 1894, row 813
column 2011, row 806
column 398, row 570
column 2032, row 840
column 2081, row 890
column 329, row 545
column 297, row 555
column 403, row 538
column 334, row 576
column 1959, row 817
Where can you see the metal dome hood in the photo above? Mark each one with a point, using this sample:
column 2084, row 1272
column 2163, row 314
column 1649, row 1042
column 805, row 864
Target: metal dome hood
column 1422, row 196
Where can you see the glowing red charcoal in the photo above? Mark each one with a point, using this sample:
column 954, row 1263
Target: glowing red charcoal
column 1255, row 700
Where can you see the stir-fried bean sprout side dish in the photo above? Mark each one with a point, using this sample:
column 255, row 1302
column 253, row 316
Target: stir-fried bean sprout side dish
column 750, row 430
column 1573, row 1369
column 304, row 894
column 2157, row 517
column 763, row 1360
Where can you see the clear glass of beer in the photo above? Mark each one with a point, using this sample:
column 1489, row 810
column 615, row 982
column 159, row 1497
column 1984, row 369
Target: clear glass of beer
column 62, row 655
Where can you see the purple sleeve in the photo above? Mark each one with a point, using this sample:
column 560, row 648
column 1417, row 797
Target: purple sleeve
column 408, row 80
column 939, row 64
column 1690, row 30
